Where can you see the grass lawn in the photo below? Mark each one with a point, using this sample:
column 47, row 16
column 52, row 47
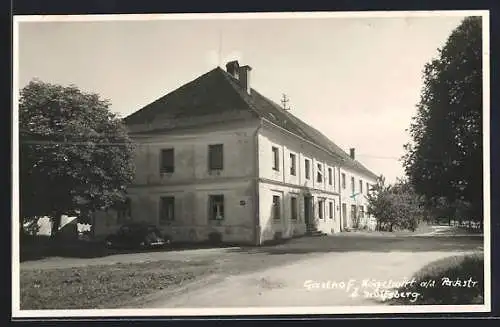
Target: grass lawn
column 103, row 286
column 458, row 280
column 110, row 286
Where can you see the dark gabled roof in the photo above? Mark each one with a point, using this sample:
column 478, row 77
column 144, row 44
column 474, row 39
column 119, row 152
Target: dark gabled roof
column 218, row 92
column 208, row 94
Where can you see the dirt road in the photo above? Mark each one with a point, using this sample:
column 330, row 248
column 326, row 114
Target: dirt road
column 335, row 278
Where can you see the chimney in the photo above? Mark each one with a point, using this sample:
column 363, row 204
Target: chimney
column 233, row 68
column 352, row 153
column 245, row 78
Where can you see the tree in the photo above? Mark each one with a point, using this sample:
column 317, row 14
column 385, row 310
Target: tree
column 444, row 159
column 379, row 202
column 395, row 206
column 75, row 155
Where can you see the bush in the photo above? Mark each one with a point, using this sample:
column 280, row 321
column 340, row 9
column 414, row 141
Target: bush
column 396, row 207
column 461, row 267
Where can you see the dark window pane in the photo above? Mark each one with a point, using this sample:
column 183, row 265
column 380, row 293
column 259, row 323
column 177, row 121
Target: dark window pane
column 215, row 156
column 308, row 169
column 294, row 207
column 167, row 209
column 293, row 169
column 216, row 203
column 276, row 158
column 276, row 207
column 167, row 161
column 320, row 174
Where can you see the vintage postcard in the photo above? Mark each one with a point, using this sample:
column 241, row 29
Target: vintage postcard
column 248, row 164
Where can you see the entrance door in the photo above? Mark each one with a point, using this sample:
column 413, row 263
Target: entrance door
column 307, row 209
column 354, row 218
column 344, row 215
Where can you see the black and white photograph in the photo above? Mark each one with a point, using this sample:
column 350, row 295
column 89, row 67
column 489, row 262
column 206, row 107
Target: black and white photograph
column 251, row 163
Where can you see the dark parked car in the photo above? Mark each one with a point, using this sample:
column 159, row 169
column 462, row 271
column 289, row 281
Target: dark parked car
column 137, row 235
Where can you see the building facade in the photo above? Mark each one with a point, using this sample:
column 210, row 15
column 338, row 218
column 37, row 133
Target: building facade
column 216, row 159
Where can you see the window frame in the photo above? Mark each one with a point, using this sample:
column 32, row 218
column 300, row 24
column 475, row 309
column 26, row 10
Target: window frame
column 214, row 199
column 276, row 205
column 319, row 173
column 294, row 208
column 321, row 208
column 276, row 158
column 293, row 164
column 307, row 168
column 211, row 158
column 167, row 169
column 161, row 219
column 124, row 211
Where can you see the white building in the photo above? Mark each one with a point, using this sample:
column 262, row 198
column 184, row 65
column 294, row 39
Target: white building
column 217, row 158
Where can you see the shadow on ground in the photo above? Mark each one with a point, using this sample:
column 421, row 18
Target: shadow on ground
column 346, row 242
column 328, row 244
column 87, row 250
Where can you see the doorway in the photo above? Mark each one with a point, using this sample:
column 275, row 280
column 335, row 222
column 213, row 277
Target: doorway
column 344, row 215
column 354, row 218
column 308, row 210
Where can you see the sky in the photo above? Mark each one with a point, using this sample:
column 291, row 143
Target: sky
column 357, row 80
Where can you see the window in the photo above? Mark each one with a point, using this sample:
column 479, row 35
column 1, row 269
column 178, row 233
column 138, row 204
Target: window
column 308, row 169
column 293, row 164
column 320, row 173
column 343, row 181
column 215, row 157
column 360, row 186
column 353, row 187
column 167, row 209
column 294, row 207
column 167, row 161
column 216, row 203
column 276, row 158
column 321, row 208
column 330, row 209
column 124, row 211
column 276, row 207
column 330, row 176
column 367, row 188
column 361, row 212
